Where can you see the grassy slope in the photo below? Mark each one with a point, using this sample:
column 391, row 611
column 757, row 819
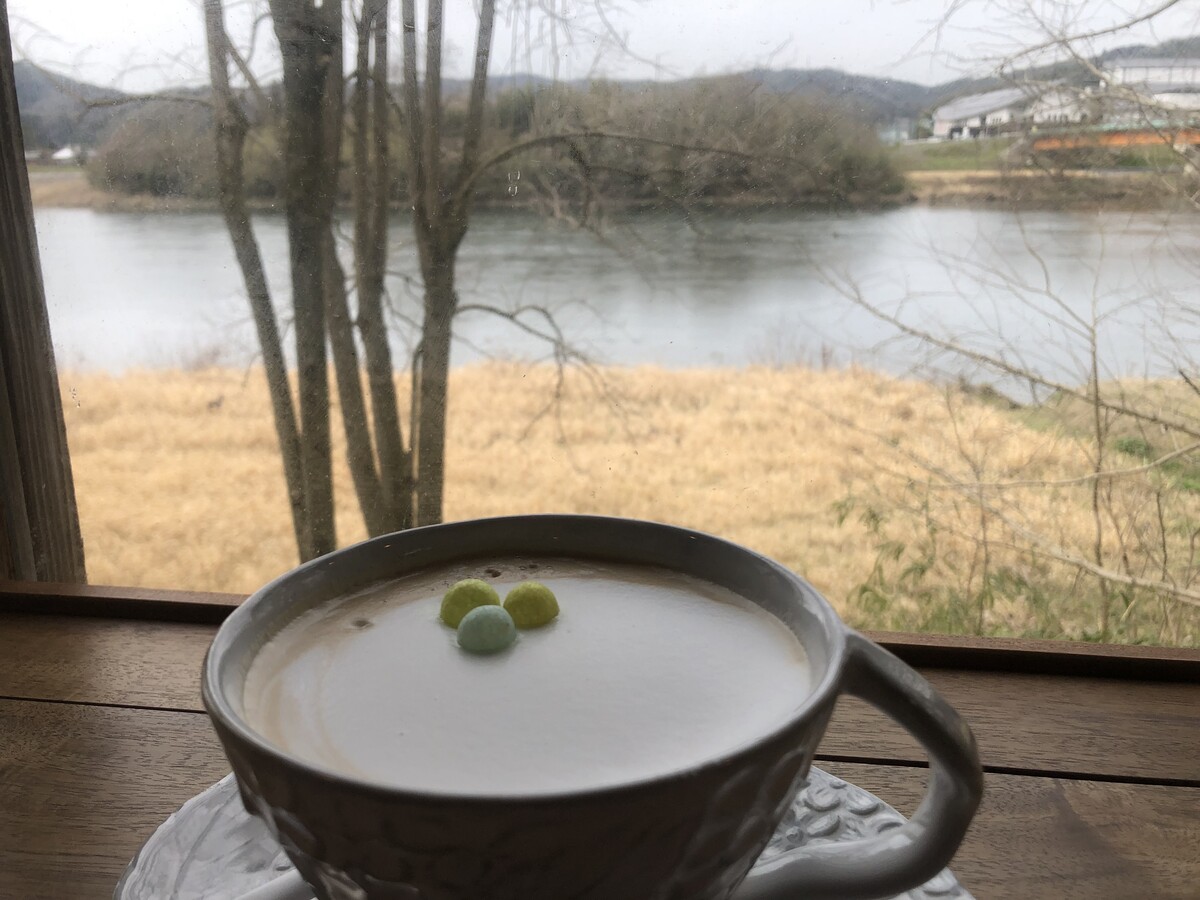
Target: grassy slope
column 951, row 156
column 1138, row 440
column 176, row 489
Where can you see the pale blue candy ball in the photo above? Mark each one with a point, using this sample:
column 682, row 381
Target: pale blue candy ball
column 486, row 629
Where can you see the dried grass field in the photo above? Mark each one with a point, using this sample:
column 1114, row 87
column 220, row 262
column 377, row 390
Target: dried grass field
column 908, row 504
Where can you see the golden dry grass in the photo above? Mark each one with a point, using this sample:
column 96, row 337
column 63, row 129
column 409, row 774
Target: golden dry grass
column 178, row 490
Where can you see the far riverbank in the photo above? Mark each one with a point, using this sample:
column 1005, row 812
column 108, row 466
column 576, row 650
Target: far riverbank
column 1018, row 189
column 1037, row 189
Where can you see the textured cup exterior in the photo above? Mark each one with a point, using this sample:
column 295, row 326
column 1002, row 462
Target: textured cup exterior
column 691, row 835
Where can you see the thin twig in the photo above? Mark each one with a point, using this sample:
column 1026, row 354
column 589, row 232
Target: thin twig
column 1038, row 542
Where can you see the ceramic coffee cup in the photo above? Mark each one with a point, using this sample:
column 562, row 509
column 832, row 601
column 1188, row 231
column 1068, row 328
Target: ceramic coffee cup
column 691, row 835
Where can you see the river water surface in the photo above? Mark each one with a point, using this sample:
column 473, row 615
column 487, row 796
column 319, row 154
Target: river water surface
column 163, row 289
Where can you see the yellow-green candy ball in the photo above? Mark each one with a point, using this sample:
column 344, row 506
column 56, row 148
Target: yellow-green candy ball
column 466, row 596
column 531, row 605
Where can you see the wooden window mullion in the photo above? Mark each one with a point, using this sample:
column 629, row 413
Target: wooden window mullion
column 39, row 525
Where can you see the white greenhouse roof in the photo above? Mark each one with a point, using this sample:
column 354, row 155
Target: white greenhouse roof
column 981, row 104
column 1139, row 62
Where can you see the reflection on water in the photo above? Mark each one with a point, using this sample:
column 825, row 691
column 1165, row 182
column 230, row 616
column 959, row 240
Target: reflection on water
column 163, row 289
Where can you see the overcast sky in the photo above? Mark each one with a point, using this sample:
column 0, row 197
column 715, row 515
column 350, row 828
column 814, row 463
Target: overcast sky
column 148, row 44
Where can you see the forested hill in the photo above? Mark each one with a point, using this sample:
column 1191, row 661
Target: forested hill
column 55, row 108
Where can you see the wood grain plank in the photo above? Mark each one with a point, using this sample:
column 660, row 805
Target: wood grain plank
column 116, row 661
column 1065, row 839
column 1034, row 656
column 90, row 600
column 83, row 786
column 1090, row 727
column 1098, row 728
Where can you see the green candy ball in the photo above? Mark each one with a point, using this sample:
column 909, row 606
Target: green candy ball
column 486, row 629
column 466, row 596
column 531, row 605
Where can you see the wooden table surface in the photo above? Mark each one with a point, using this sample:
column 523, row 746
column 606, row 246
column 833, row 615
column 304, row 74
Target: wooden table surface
column 1092, row 784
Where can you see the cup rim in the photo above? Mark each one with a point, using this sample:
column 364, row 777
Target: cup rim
column 224, row 715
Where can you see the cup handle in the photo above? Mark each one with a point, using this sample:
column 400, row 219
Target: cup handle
column 900, row 858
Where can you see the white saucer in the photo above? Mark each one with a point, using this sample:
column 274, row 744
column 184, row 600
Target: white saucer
column 212, row 849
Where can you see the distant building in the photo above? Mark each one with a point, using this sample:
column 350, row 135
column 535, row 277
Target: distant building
column 1141, row 89
column 1010, row 109
column 1155, row 74
column 1060, row 105
column 976, row 115
column 1134, row 92
column 65, row 155
column 897, row 131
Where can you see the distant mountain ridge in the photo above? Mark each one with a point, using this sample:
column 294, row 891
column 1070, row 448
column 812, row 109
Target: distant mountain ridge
column 55, row 109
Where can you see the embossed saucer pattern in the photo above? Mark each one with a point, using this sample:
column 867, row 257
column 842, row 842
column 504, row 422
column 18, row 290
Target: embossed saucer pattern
column 212, row 849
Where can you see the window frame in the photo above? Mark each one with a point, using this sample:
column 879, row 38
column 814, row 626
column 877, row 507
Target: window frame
column 42, row 568
column 40, row 537
column 938, row 651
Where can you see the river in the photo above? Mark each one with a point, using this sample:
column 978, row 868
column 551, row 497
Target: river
column 163, row 290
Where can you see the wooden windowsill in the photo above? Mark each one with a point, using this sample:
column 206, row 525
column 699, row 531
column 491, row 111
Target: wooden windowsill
column 1092, row 783
column 1043, row 657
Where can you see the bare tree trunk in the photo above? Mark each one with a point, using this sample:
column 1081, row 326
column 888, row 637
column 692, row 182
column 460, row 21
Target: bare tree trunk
column 310, row 38
column 39, row 524
column 434, row 390
column 440, row 216
column 359, row 453
column 231, row 127
column 395, row 486
column 372, row 190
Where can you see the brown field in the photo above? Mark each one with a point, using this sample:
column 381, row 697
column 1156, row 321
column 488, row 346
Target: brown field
column 63, row 187
column 840, row 475
column 69, row 187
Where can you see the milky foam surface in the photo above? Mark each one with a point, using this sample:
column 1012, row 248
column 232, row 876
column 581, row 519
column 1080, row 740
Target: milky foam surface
column 645, row 672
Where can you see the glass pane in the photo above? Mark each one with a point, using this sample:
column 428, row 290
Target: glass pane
column 896, row 293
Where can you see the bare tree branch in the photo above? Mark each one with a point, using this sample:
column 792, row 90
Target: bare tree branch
column 851, row 291
column 128, row 99
column 474, row 125
column 1037, row 541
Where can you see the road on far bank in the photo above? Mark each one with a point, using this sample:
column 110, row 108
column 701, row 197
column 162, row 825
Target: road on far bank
column 1077, row 189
